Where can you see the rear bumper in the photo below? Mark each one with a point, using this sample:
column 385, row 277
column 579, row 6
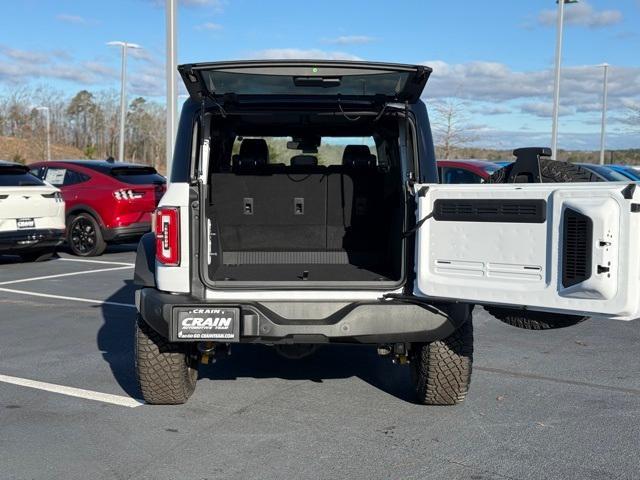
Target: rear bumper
column 361, row 322
column 22, row 240
column 130, row 232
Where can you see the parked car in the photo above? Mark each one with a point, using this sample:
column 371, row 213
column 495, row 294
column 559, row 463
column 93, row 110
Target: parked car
column 604, row 173
column 274, row 248
column 31, row 214
column 626, row 170
column 503, row 163
column 107, row 202
column 466, row 171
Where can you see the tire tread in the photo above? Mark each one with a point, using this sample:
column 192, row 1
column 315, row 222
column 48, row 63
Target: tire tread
column 441, row 370
column 165, row 371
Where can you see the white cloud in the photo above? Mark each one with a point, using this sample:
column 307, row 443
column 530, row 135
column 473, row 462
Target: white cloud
column 210, row 26
column 297, row 53
column 350, row 40
column 544, row 109
column 76, row 19
column 21, row 66
column 582, row 14
column 24, row 55
column 490, row 110
column 495, row 83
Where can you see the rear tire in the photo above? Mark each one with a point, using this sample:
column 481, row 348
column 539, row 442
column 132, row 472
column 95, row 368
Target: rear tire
column 37, row 256
column 167, row 372
column 84, row 236
column 551, row 171
column 441, row 370
column 530, row 320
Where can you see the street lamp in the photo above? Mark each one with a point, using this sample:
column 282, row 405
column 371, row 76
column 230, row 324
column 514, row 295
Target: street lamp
column 556, row 85
column 47, row 114
column 172, row 84
column 123, row 91
column 603, row 129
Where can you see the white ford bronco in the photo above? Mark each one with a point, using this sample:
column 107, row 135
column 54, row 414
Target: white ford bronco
column 304, row 208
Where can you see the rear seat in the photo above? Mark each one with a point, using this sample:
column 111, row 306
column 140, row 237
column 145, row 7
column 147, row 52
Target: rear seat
column 353, row 201
column 257, row 205
column 303, row 207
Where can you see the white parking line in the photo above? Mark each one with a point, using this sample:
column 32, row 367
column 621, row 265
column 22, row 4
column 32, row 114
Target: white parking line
column 69, row 274
column 73, row 392
column 73, row 299
column 105, row 262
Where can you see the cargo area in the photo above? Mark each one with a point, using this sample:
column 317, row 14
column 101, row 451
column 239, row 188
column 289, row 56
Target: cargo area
column 318, row 210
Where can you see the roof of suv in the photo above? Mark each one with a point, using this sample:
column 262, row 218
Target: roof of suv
column 13, row 166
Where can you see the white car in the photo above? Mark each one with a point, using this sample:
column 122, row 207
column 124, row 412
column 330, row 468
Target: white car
column 32, row 221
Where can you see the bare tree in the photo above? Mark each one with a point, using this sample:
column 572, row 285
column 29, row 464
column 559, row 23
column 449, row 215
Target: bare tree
column 81, row 125
column 451, row 127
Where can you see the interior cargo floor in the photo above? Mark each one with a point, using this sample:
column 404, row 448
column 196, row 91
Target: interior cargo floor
column 296, row 272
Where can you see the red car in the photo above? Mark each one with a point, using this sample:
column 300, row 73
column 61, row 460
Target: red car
column 105, row 201
column 466, row 171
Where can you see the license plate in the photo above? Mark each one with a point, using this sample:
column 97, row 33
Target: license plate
column 207, row 323
column 26, row 222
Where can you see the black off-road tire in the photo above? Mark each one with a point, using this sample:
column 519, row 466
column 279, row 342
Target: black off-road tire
column 441, row 370
column 530, row 320
column 92, row 243
column 551, row 171
column 167, row 372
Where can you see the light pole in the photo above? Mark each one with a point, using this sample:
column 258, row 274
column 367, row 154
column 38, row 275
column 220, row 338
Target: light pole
column 172, row 84
column 603, row 129
column 48, row 120
column 123, row 91
column 556, row 84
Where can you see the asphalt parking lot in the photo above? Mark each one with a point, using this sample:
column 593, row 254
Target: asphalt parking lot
column 561, row 404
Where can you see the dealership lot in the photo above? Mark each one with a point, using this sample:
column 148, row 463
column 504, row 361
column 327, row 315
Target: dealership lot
column 561, row 404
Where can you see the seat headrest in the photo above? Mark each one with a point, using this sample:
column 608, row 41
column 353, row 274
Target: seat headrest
column 358, row 156
column 254, row 152
column 304, row 161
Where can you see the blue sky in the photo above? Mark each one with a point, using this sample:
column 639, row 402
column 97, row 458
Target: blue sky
column 494, row 57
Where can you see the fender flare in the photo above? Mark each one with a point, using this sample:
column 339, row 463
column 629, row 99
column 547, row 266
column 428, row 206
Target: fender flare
column 145, row 270
column 81, row 208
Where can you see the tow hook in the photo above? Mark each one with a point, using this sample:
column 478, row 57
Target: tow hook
column 210, row 352
column 398, row 352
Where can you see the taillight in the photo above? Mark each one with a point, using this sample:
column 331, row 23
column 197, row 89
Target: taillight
column 56, row 195
column 128, row 194
column 166, row 226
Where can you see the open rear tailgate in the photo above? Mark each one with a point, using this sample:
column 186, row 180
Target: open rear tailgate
column 325, row 79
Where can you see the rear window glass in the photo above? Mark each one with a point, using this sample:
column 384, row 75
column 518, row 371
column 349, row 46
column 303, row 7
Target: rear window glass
column 18, row 178
column 221, row 82
column 138, row 175
column 459, row 175
column 329, row 152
